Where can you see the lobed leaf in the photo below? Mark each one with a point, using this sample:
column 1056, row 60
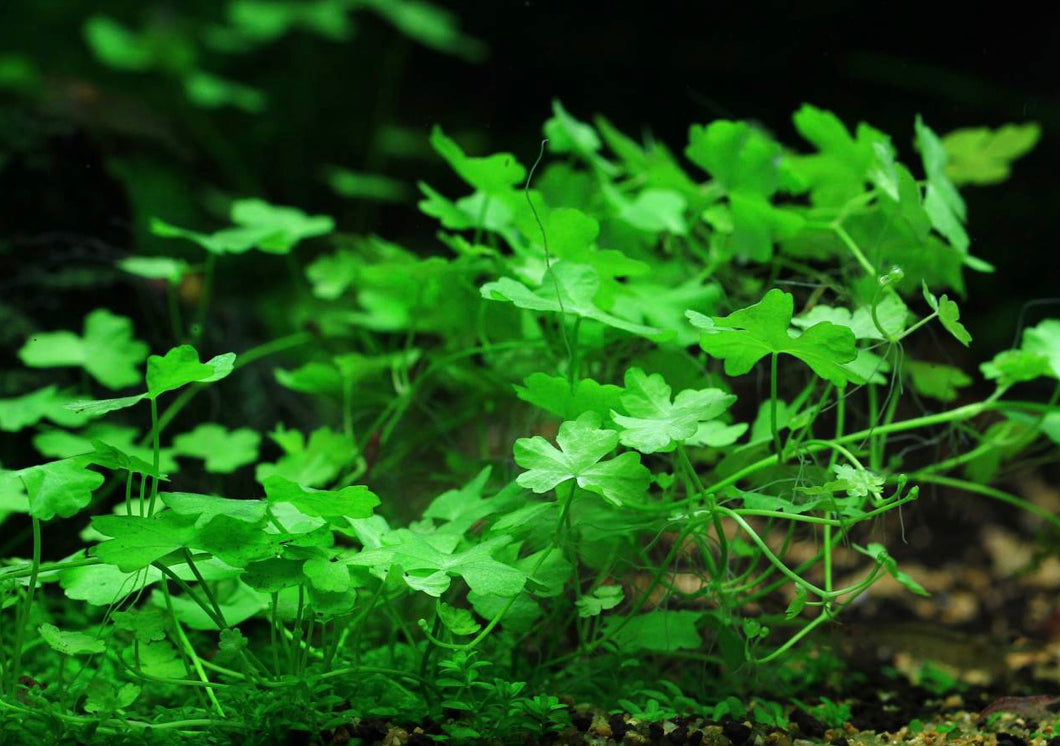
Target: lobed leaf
column 180, row 366
column 745, row 336
column 107, row 350
column 653, row 423
column 582, row 445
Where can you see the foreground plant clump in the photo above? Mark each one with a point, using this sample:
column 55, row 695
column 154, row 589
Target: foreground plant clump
column 575, row 457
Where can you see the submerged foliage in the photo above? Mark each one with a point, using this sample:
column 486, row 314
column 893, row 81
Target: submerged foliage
column 590, row 437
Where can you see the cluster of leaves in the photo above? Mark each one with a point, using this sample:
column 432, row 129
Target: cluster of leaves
column 629, row 493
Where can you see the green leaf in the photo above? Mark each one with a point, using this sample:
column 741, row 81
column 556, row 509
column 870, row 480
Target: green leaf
column 429, row 24
column 798, row 603
column 102, row 697
column 602, row 598
column 567, row 288
column 156, row 268
column 879, row 553
column 106, row 351
column 495, row 173
column 268, row 228
column 13, row 497
column 745, row 336
column 273, row 574
column 936, row 380
column 212, row 92
column 462, row 508
column 324, row 574
column 361, row 185
column 104, row 585
column 138, row 541
column 739, row 156
column 428, row 561
column 748, row 227
column 311, row 378
column 237, row 542
column 1044, row 340
column 656, row 211
column 71, row 643
column 891, row 312
column 582, row 445
column 356, row 501
column 111, row 457
column 716, row 434
column 99, row 407
column 180, row 366
column 107, row 444
column 146, row 624
column 204, row 508
column 980, row 155
column 548, row 572
column 310, row 464
column 160, row 659
column 656, row 631
column 223, row 450
column 949, row 315
column 843, row 164
column 332, row 274
column 60, row 488
column 942, row 201
column 451, row 215
column 116, row 46
column 457, row 621
column 231, row 641
column 555, row 394
column 653, row 423
column 858, row 482
column 1015, row 366
column 568, row 135
column 24, row 411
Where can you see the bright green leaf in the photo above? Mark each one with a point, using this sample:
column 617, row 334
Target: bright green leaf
column 738, row 155
column 937, row 380
column 949, row 315
column 71, row 643
column 326, row 575
column 879, row 553
column 60, row 488
column 49, row 403
column 107, row 350
column 99, row 407
column 745, row 336
column 602, row 598
column 181, row 366
column 1015, row 366
column 942, row 201
column 137, row 541
column 223, row 450
column 582, row 445
column 356, row 501
column 556, row 395
column 310, row 464
column 457, row 621
column 495, row 173
column 156, row 268
column 653, row 423
column 1044, row 340
column 204, row 508
column 567, row 288
column 980, row 155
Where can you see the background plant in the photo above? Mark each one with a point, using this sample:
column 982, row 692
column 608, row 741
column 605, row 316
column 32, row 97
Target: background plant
column 542, row 452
